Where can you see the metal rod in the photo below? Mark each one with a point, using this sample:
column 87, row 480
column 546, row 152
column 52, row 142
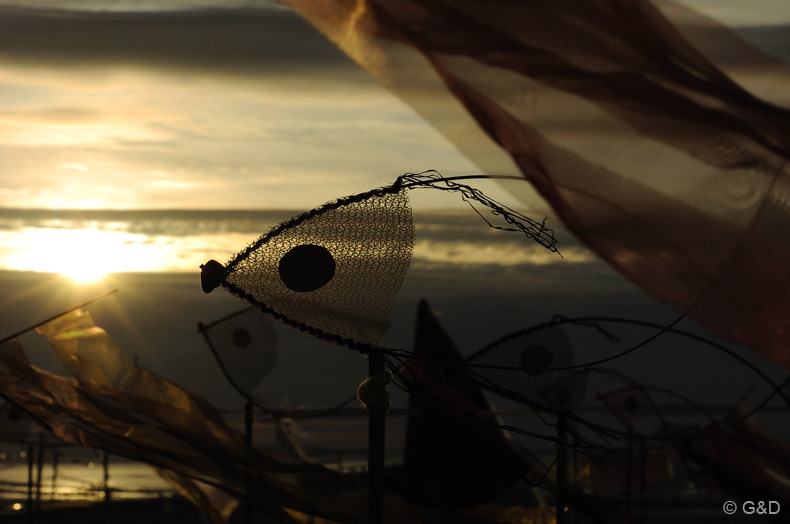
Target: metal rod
column 575, row 469
column 39, row 471
column 642, row 479
column 376, row 434
column 30, row 452
column 464, row 177
column 562, row 467
column 50, row 319
column 55, row 465
column 106, row 467
column 628, row 477
column 248, row 421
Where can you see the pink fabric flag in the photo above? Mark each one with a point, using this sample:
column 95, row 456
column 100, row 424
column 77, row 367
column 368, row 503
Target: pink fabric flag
column 648, row 151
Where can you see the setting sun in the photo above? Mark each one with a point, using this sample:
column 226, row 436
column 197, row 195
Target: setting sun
column 83, row 255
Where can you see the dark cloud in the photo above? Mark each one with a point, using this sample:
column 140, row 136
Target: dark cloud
column 771, row 39
column 236, row 41
column 146, row 222
column 433, row 228
column 52, row 114
column 257, row 41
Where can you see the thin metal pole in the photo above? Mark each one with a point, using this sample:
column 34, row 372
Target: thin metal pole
column 642, row 478
column 575, row 469
column 39, row 470
column 376, row 433
column 30, row 452
column 464, row 177
column 248, row 421
column 562, row 467
column 106, row 467
column 628, row 477
column 55, row 465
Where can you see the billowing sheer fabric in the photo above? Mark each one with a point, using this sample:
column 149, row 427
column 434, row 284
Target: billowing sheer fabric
column 615, row 112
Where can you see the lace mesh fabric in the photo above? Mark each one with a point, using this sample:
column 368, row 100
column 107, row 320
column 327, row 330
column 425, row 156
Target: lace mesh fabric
column 530, row 354
column 245, row 345
column 332, row 272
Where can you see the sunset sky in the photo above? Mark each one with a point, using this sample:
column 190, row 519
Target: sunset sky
column 185, row 104
column 223, row 109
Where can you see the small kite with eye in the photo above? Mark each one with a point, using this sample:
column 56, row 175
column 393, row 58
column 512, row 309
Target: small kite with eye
column 334, row 271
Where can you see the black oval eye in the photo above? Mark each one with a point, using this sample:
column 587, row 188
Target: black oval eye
column 242, row 338
column 631, row 404
column 535, row 359
column 306, row 268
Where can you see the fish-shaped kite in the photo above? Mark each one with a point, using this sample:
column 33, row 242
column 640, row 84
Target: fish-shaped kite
column 334, row 271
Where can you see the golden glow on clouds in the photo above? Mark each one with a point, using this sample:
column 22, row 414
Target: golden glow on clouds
column 75, row 166
column 88, row 254
column 495, row 254
column 130, row 137
column 287, row 124
column 83, row 255
column 737, row 13
column 83, row 135
column 86, row 248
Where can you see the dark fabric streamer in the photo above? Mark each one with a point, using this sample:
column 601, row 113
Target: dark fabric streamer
column 111, row 404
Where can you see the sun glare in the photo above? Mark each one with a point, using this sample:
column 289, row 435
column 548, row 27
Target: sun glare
column 83, row 255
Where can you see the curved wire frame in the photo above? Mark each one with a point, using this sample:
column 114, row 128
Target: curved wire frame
column 471, row 371
column 245, row 391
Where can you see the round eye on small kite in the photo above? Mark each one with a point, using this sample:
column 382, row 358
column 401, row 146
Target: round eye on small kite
column 212, row 274
column 241, row 338
column 306, row 268
column 535, row 359
column 630, row 404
